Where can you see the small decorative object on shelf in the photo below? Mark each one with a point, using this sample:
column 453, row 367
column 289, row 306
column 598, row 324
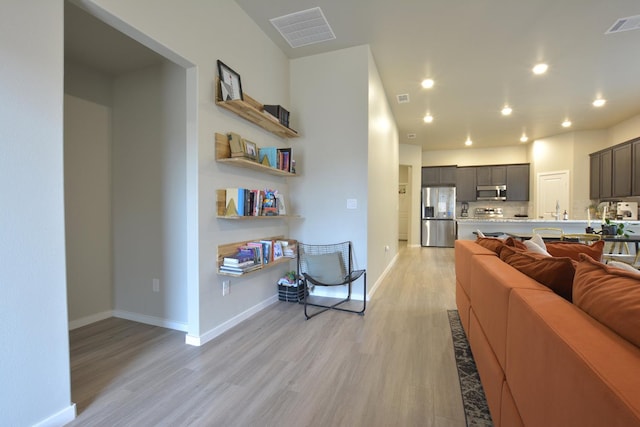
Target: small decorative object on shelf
column 279, row 113
column 230, row 84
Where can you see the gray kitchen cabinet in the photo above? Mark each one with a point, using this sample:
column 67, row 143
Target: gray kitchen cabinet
column 517, row 180
column 606, row 170
column 433, row 176
column 594, row 176
column 466, row 184
column 491, row 175
column 635, row 167
column 621, row 171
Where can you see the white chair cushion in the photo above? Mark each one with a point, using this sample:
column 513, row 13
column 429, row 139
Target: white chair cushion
column 326, row 268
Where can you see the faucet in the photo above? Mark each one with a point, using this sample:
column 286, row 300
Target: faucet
column 557, row 215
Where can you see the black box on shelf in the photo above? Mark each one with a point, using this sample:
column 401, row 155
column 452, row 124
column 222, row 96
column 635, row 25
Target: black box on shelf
column 278, row 112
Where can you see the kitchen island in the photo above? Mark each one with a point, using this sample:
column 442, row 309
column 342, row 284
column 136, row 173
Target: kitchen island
column 467, row 226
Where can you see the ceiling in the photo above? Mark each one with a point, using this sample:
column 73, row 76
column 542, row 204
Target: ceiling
column 480, row 54
column 92, row 43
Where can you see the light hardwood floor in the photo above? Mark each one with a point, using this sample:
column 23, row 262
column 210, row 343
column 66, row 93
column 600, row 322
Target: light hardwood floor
column 392, row 367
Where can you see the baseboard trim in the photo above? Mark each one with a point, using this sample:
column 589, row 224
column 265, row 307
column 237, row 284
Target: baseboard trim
column 384, row 274
column 60, row 418
column 224, row 327
column 87, row 320
column 150, row 320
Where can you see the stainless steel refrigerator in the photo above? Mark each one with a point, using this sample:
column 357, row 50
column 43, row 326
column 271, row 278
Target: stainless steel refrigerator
column 439, row 216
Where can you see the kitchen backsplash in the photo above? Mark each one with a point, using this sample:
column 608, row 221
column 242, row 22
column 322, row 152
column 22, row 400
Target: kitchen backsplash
column 509, row 209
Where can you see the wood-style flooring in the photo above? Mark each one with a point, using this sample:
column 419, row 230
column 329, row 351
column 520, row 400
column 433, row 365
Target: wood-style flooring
column 394, row 366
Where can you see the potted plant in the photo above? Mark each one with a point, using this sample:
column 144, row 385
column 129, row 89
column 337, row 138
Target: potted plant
column 614, row 228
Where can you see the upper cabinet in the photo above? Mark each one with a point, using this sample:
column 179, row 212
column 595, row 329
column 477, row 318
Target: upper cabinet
column 517, row 182
column 621, row 172
column 466, row 184
column 491, row 175
column 434, row 176
column 635, row 168
column 615, row 172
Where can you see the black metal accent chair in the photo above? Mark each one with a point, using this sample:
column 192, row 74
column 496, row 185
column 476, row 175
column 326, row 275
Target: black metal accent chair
column 332, row 266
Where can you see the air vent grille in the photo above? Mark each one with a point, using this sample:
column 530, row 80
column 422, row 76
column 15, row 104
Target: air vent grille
column 304, row 28
column 411, row 136
column 625, row 24
column 403, row 98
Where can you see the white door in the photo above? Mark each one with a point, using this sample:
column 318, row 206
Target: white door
column 403, row 212
column 553, row 190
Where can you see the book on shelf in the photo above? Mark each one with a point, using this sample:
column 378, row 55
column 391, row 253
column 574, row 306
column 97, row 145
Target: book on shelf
column 239, row 270
column 256, row 247
column 269, row 153
column 235, row 201
column 267, row 250
column 284, row 159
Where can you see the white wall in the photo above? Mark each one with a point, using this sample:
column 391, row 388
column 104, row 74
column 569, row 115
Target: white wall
column 200, row 35
column 476, row 156
column 329, row 93
column 149, row 201
column 624, row 131
column 382, row 179
column 34, row 348
column 411, row 155
column 87, row 173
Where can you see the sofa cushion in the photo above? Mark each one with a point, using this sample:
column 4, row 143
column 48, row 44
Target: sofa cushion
column 610, row 295
column 574, row 249
column 492, row 243
column 564, row 368
column 555, row 273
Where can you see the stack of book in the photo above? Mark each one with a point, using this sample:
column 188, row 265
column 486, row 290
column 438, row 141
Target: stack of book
column 245, row 260
column 279, row 158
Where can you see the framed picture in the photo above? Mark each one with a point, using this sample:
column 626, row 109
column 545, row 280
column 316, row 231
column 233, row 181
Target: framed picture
column 282, row 210
column 230, row 84
column 251, row 150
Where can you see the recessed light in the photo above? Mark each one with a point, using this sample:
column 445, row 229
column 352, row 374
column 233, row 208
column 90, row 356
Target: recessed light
column 428, row 118
column 566, row 123
column 506, row 110
column 599, row 102
column 540, row 68
column 427, row 83
column 468, row 142
column 524, row 138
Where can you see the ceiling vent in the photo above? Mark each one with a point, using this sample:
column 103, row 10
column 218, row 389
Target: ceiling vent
column 625, row 24
column 304, row 28
column 403, row 98
column 411, row 136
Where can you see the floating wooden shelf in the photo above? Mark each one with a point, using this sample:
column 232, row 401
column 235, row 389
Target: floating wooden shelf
column 231, row 248
column 253, row 111
column 223, row 155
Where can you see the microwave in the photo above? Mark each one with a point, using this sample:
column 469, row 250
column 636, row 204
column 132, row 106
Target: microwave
column 491, row 192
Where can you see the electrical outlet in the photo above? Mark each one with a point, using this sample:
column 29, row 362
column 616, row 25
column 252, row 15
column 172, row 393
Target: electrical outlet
column 225, row 288
column 156, row 285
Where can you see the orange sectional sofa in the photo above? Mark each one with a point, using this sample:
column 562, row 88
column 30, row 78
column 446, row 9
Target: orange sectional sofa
column 542, row 360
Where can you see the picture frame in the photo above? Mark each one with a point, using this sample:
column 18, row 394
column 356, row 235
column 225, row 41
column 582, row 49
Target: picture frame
column 251, row 150
column 230, row 83
column 282, row 209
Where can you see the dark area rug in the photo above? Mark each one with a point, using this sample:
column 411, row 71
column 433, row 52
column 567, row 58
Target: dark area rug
column 474, row 401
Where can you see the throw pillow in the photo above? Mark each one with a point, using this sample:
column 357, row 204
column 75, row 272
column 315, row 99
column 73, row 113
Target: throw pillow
column 538, row 240
column 574, row 249
column 535, row 248
column 492, row 243
column 510, row 241
column 624, row 266
column 554, row 273
column 610, row 295
column 326, row 268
